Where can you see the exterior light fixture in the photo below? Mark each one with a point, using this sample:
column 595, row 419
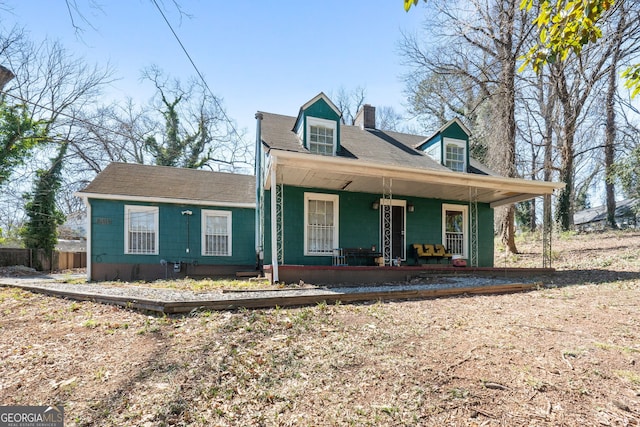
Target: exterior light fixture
column 410, row 207
column 375, row 205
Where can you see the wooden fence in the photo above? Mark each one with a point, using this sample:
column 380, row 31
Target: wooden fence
column 36, row 258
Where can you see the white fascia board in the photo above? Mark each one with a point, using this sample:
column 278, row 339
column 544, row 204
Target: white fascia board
column 167, row 200
column 327, row 163
column 511, row 200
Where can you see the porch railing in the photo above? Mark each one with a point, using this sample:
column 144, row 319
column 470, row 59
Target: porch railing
column 455, row 243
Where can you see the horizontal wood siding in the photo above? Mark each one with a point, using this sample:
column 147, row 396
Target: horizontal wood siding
column 107, row 235
column 456, row 132
column 359, row 225
column 322, row 110
column 485, row 235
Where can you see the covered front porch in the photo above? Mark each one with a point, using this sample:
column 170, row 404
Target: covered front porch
column 373, row 275
column 408, row 205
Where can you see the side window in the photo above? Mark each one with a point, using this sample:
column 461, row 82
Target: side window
column 216, row 233
column 141, row 230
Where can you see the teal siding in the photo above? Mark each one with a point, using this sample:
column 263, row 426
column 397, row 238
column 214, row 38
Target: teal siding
column 177, row 233
column 321, row 110
column 426, row 145
column 360, row 225
column 485, row 235
column 455, row 131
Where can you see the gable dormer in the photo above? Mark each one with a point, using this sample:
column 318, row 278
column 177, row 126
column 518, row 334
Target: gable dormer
column 318, row 126
column 449, row 146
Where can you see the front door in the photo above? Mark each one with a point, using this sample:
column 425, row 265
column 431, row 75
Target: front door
column 397, row 232
column 392, row 228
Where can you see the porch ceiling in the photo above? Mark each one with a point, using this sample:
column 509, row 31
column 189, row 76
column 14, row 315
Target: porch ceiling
column 346, row 174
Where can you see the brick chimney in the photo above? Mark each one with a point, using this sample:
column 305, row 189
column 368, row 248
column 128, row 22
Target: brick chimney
column 366, row 117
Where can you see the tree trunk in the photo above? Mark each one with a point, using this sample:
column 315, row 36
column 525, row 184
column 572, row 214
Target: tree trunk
column 507, row 107
column 564, row 211
column 610, row 125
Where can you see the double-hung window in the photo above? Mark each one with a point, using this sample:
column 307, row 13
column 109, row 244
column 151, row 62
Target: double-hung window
column 455, row 155
column 320, row 223
column 321, row 136
column 141, row 230
column 216, row 233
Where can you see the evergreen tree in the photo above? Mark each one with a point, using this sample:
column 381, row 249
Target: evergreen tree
column 41, row 229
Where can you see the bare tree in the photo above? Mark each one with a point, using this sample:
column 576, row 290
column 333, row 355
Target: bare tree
column 483, row 41
column 387, row 118
column 574, row 82
column 349, row 103
column 624, row 39
column 197, row 131
column 56, row 88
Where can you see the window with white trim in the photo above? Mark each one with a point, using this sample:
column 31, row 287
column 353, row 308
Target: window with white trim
column 216, row 233
column 455, row 154
column 320, row 223
column 141, row 230
column 321, row 136
column 455, row 219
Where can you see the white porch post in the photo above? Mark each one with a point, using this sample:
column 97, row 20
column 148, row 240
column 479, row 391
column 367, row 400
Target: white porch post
column 274, row 222
column 547, row 231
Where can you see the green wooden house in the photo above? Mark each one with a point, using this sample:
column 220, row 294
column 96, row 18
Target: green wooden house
column 151, row 222
column 325, row 197
column 325, row 188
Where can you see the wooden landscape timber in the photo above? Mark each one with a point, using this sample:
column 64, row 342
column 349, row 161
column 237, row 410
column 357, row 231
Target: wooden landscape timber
column 276, row 298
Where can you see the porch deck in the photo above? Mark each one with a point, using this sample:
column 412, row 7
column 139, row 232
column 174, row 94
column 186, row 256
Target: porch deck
column 356, row 275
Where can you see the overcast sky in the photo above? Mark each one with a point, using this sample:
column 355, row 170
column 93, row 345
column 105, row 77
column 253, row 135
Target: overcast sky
column 257, row 55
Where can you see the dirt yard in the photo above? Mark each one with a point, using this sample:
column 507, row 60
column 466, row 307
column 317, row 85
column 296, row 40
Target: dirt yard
column 568, row 355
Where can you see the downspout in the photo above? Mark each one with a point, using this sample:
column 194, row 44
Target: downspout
column 274, row 221
column 258, row 216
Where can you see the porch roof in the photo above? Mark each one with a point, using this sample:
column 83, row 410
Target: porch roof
column 357, row 175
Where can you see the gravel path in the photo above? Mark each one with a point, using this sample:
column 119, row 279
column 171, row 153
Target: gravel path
column 159, row 298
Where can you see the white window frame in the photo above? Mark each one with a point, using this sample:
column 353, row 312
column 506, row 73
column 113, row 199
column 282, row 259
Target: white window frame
column 458, row 143
column 206, row 213
column 323, row 123
column 465, row 225
column 128, row 210
column 336, row 222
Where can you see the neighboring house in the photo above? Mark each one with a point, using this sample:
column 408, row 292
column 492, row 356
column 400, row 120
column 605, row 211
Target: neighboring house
column 593, row 219
column 150, row 222
column 323, row 185
column 74, row 227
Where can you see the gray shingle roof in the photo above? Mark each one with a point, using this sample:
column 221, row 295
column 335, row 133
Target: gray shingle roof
column 135, row 180
column 624, row 208
column 374, row 146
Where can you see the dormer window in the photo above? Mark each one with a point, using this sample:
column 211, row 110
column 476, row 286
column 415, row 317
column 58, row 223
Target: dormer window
column 321, row 136
column 455, row 156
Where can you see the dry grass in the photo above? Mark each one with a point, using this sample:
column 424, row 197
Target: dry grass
column 567, row 355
